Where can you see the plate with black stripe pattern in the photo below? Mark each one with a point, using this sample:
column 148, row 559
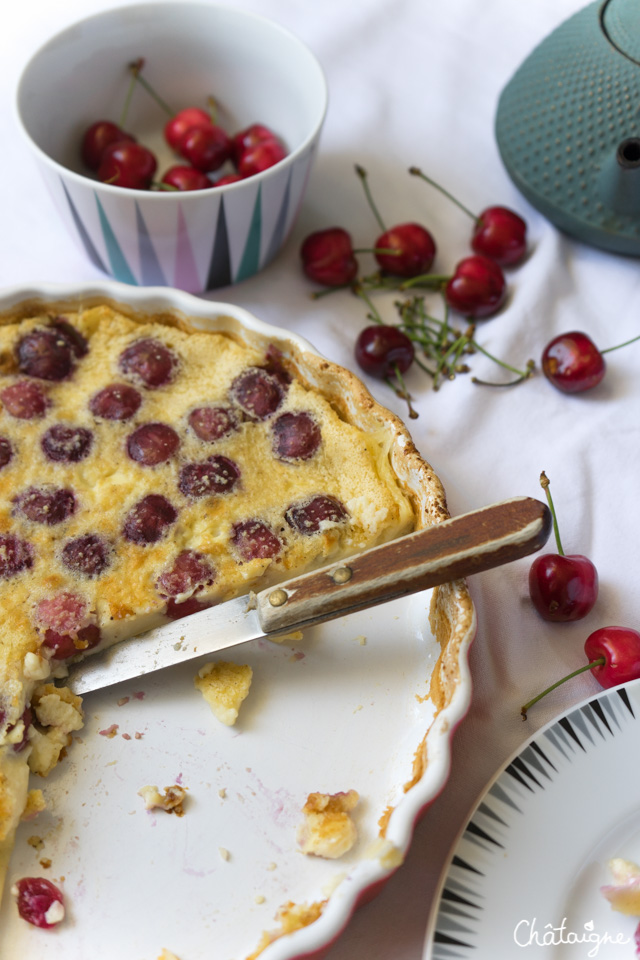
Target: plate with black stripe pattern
column 525, row 874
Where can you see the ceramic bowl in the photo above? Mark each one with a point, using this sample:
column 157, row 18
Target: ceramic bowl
column 257, row 72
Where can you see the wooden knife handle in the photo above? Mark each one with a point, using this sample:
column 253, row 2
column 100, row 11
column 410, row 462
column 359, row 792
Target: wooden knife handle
column 449, row 550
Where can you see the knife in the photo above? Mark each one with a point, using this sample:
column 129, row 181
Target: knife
column 447, row 551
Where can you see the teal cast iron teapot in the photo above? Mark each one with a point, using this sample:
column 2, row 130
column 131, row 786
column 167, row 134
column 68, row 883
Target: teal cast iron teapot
column 568, row 126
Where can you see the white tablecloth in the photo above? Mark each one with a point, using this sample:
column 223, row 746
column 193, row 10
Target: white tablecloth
column 417, row 82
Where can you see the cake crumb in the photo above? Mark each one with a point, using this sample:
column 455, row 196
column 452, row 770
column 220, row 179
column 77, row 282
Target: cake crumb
column 328, row 830
column 123, row 700
column 109, row 732
column 59, row 714
column 138, row 735
column 224, row 853
column 126, row 736
column 271, row 866
column 36, row 842
column 35, row 804
column 224, row 685
column 295, row 636
column 167, row 955
column 171, row 801
column 361, row 639
column 45, row 863
column 222, row 793
column 259, row 898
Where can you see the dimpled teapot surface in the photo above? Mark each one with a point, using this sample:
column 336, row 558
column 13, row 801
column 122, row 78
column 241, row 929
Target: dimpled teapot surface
column 568, row 126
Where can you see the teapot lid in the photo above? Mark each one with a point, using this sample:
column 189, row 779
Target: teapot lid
column 620, row 21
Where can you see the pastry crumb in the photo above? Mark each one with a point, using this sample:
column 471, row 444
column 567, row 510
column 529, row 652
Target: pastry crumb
column 36, row 842
column 109, row 732
column 224, row 853
column 224, row 685
column 122, row 701
column 361, row 639
column 222, row 793
column 272, row 866
column 624, row 893
column 45, row 863
column 59, row 714
column 259, row 898
column 167, row 955
column 327, row 829
column 35, row 804
column 295, row 636
column 171, row 801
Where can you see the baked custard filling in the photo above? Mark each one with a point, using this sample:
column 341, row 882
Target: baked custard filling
column 149, row 469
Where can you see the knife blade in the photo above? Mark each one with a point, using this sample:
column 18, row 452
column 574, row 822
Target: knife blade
column 456, row 548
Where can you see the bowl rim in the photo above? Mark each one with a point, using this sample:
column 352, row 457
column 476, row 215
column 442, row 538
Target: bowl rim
column 175, row 195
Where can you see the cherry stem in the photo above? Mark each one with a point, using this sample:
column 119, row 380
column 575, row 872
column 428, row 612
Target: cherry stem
column 600, row 662
column 625, row 344
column 402, row 392
column 545, row 483
column 317, row 294
column 373, row 313
column 425, row 280
column 521, row 374
column 136, row 68
column 213, row 109
column 362, row 173
column 386, row 250
column 417, row 172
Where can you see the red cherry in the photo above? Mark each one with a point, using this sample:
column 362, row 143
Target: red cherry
column 190, row 572
column 477, row 288
column 186, row 178
column 206, row 148
column 24, row 400
column 415, row 246
column 88, row 555
column 573, row 363
column 248, row 138
column 184, row 120
column 67, row 625
column 257, row 393
column 498, row 232
column 306, row 516
column 501, row 235
column 327, row 257
column 260, row 157
column 620, row 647
column 127, row 164
column 562, row 587
column 39, row 901
column 382, row 350
column 255, row 540
column 614, row 657
column 228, row 178
column 97, row 138
column 295, row 436
column 15, row 555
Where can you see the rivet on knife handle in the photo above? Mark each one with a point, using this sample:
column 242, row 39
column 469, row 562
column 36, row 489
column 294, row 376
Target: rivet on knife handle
column 447, row 551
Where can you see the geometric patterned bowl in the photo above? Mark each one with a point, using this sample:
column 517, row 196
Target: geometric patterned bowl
column 256, row 71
